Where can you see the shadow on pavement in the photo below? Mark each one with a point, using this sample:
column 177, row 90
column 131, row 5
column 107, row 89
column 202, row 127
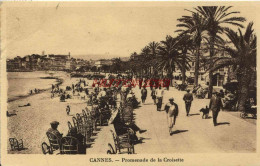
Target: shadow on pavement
column 11, row 114
column 140, row 140
column 148, row 103
column 178, row 131
column 194, row 114
column 223, row 123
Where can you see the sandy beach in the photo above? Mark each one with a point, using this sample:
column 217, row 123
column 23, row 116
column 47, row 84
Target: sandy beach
column 31, row 123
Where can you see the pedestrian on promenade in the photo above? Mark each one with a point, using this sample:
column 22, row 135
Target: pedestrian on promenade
column 153, row 96
column 68, row 109
column 188, row 98
column 143, row 94
column 215, row 104
column 172, row 112
column 140, row 83
column 159, row 97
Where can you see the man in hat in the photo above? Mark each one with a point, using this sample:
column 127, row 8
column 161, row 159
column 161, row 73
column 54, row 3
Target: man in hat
column 171, row 108
column 54, row 131
column 215, row 104
column 188, row 98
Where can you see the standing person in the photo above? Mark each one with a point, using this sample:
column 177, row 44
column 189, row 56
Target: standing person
column 188, row 98
column 143, row 94
column 151, row 83
column 172, row 112
column 159, row 96
column 68, row 109
column 215, row 104
column 153, row 96
column 140, row 83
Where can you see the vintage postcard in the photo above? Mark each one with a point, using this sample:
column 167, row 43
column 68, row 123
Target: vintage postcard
column 129, row 83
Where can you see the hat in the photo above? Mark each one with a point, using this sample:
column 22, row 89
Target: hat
column 171, row 98
column 55, row 122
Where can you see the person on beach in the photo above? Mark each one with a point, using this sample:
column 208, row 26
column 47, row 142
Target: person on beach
column 62, row 98
column 188, row 98
column 31, row 92
column 143, row 94
column 172, row 112
column 68, row 109
column 54, row 130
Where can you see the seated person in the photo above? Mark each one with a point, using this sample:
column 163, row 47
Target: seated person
column 54, row 131
column 121, row 129
column 73, row 133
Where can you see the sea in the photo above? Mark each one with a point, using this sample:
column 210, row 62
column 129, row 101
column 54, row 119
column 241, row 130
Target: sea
column 20, row 83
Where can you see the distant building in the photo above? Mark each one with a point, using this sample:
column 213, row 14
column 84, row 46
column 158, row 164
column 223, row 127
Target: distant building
column 102, row 62
column 59, row 62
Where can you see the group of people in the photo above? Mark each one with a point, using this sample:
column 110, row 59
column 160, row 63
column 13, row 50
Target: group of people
column 35, row 91
column 106, row 97
column 171, row 108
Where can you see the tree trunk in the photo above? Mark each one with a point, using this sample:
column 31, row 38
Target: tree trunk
column 212, row 41
column 183, row 68
column 243, row 92
column 197, row 61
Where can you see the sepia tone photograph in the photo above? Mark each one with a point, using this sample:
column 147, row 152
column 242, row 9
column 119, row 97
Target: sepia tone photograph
column 129, row 78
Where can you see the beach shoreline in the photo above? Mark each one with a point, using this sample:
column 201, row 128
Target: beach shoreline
column 59, row 81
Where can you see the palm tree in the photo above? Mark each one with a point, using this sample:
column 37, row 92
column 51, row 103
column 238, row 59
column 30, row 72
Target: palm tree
column 145, row 57
column 169, row 57
column 242, row 57
column 133, row 63
column 154, row 49
column 185, row 44
column 217, row 17
column 194, row 26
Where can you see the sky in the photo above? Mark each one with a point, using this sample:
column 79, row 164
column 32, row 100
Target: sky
column 92, row 32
